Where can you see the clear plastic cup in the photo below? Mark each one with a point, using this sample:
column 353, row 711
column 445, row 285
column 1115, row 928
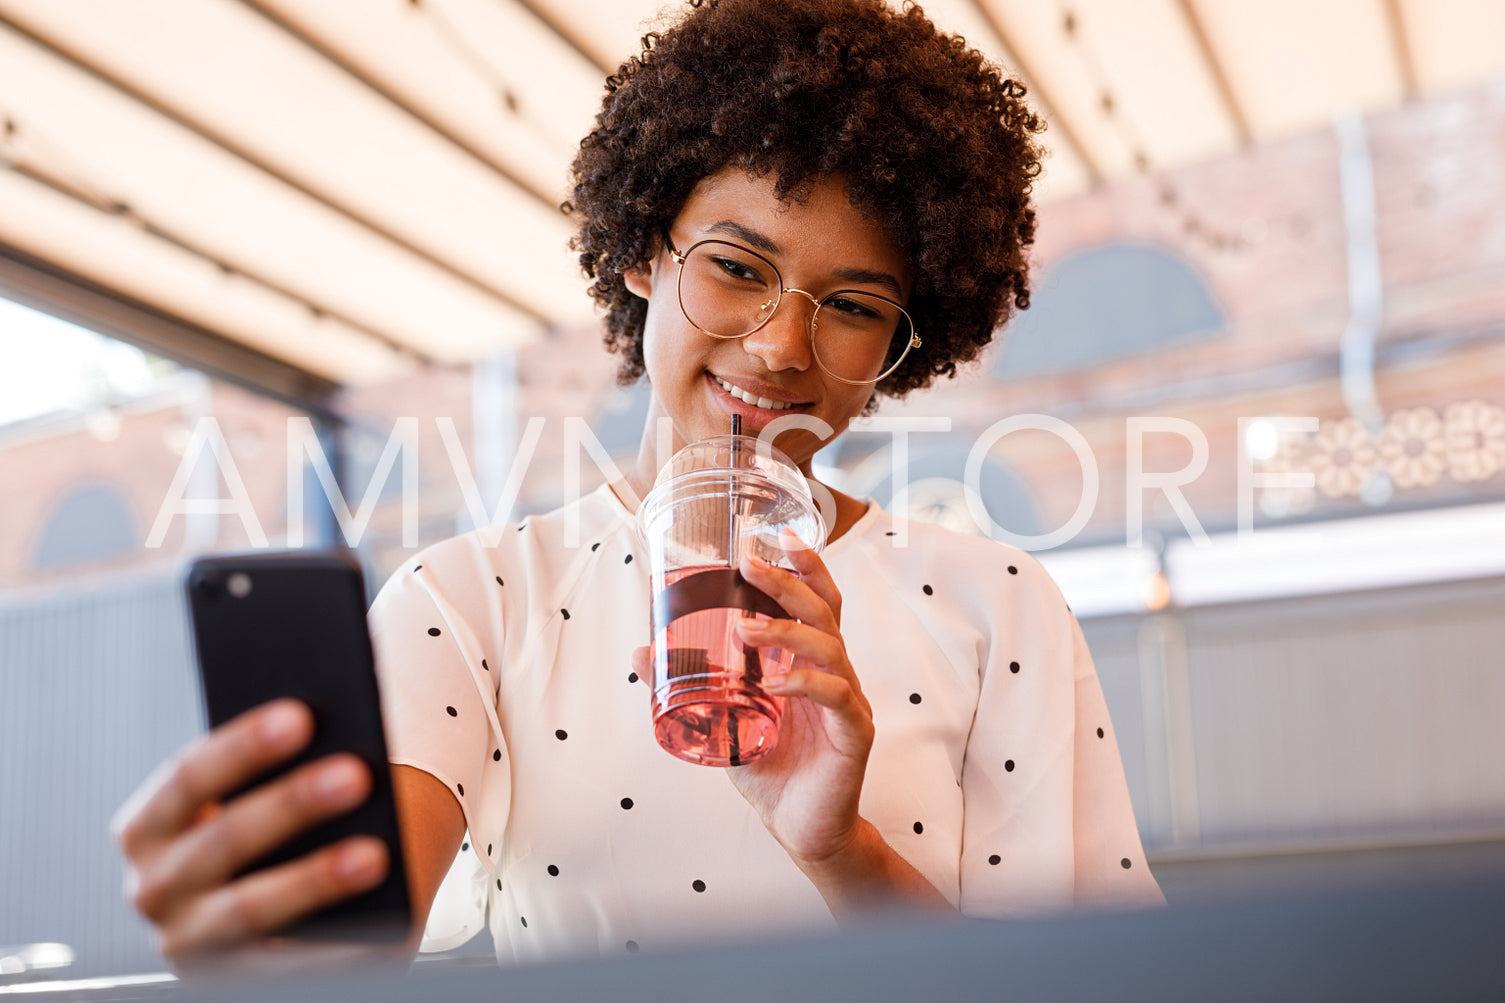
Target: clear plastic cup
column 715, row 501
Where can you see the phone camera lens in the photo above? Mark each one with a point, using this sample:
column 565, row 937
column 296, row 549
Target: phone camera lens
column 238, row 585
column 206, row 582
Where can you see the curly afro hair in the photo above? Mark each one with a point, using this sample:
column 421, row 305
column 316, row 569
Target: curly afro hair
column 933, row 142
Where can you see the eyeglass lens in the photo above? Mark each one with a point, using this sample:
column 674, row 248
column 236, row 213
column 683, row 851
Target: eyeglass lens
column 729, row 292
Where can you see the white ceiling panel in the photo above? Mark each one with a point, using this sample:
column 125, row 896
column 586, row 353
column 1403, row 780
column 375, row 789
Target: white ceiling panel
column 1454, row 43
column 1163, row 95
column 456, row 61
column 115, row 253
column 241, row 215
column 247, row 83
column 1294, row 64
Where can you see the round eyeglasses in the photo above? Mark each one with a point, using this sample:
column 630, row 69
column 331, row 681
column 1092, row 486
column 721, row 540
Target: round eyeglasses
column 728, row 292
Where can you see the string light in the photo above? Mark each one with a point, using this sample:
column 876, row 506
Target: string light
column 1190, row 223
column 453, row 39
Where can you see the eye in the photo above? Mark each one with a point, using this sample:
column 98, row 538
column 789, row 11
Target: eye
column 737, row 269
column 853, row 308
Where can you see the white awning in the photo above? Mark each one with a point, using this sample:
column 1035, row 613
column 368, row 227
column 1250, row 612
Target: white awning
column 353, row 186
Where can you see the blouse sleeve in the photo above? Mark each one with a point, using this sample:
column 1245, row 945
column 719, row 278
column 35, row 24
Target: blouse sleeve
column 1047, row 822
column 1110, row 866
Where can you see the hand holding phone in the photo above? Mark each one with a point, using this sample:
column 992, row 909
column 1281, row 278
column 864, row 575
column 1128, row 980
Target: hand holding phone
column 201, row 834
column 293, row 624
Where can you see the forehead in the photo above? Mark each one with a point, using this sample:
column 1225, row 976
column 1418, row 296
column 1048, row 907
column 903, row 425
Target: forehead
column 819, row 227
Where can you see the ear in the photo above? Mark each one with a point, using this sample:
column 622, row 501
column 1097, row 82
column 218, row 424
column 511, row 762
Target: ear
column 639, row 280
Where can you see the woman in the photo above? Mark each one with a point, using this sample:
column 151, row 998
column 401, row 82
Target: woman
column 945, row 747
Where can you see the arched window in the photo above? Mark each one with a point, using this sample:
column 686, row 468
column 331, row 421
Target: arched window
column 1107, row 303
column 937, row 489
column 92, row 523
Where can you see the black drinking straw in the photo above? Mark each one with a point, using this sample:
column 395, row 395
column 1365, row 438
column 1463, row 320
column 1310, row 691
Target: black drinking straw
column 731, row 492
column 734, row 752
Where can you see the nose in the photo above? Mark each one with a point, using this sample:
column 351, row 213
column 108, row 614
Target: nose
column 784, row 342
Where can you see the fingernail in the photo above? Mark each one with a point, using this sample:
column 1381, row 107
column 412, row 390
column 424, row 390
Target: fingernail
column 360, row 862
column 752, row 626
column 777, row 682
column 279, row 724
column 338, row 783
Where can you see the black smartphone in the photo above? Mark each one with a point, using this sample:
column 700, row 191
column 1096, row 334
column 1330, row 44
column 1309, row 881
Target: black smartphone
column 293, row 624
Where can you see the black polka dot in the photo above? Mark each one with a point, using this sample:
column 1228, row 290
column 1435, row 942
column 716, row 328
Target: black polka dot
column 632, row 677
column 464, row 847
column 632, row 947
column 1125, row 863
column 914, row 698
column 433, row 632
column 995, row 860
column 1013, row 570
column 485, row 666
column 498, row 884
column 499, row 580
column 553, row 871
column 919, row 827
column 626, row 803
column 496, row 756
column 595, row 547
column 451, row 712
column 1014, row 667
column 520, row 527
column 1008, row 766
column 488, row 849
column 698, row 885
column 418, row 569
column 891, row 533
column 461, row 789
column 929, row 591
column 525, row 921
column 1099, row 733
column 627, row 559
column 561, row 734
column 565, row 613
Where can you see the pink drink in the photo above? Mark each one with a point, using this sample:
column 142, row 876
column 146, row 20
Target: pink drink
column 709, row 706
column 716, row 501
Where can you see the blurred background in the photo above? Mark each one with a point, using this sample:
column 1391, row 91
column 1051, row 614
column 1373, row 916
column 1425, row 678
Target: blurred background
column 1270, row 274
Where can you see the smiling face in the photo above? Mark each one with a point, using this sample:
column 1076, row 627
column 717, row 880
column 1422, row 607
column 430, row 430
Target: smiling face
column 819, row 245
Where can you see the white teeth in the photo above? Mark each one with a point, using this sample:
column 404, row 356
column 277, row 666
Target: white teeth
column 747, row 398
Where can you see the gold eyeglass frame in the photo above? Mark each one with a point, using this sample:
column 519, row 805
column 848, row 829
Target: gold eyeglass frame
column 680, row 257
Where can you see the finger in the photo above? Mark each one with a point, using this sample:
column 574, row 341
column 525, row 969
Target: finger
column 795, row 595
column 266, row 901
column 819, row 648
column 833, row 692
column 247, row 829
column 811, row 570
column 642, row 663
column 222, row 761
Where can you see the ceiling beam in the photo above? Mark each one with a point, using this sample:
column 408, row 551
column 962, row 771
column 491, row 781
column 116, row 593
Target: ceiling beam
column 122, row 210
column 1056, row 122
column 1231, row 106
column 564, row 33
column 1405, row 61
column 207, row 133
column 454, row 139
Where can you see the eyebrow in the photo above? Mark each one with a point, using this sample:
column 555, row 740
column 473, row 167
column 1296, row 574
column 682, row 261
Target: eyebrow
column 760, row 242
